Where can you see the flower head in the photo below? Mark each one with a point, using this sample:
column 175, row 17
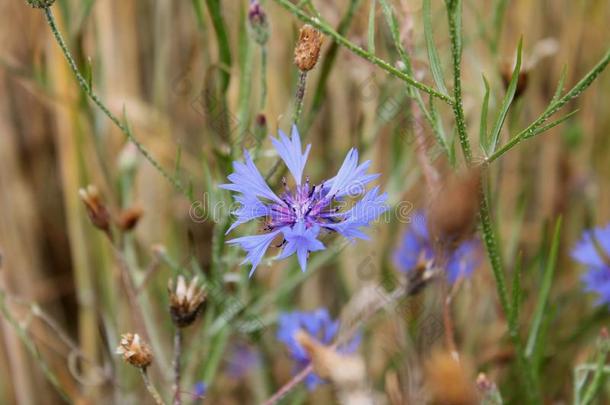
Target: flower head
column 320, row 326
column 185, row 301
column 418, row 249
column 134, row 350
column 300, row 215
column 593, row 251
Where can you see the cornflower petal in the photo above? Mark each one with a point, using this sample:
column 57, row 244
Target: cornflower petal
column 255, row 246
column 246, row 179
column 290, row 152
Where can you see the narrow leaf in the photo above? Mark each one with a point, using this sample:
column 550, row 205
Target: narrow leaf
column 435, row 63
column 543, row 294
column 550, row 125
column 371, row 36
column 508, row 99
column 484, row 110
column 560, row 84
column 516, row 293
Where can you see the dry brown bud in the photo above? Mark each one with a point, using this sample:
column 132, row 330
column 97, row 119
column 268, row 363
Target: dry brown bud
column 307, row 50
column 134, row 350
column 453, row 209
column 449, row 381
column 346, row 372
column 129, row 218
column 96, row 209
column 185, row 301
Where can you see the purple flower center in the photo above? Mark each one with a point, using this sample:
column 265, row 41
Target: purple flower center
column 307, row 204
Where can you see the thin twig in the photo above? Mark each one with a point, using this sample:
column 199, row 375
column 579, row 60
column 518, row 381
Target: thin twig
column 289, row 386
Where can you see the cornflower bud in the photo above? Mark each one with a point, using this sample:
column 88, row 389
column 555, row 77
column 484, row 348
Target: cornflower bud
column 259, row 25
column 307, row 50
column 96, row 209
column 185, row 301
column 130, row 218
column 134, row 350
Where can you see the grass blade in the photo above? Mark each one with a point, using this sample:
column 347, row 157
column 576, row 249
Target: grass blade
column 435, row 62
column 483, row 141
column 508, row 99
column 371, row 33
column 224, row 52
column 517, row 292
column 543, row 296
column 560, row 84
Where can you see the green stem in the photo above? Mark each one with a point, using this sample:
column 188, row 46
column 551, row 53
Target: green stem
column 177, row 356
column 263, row 76
column 87, row 89
column 454, row 16
column 341, row 40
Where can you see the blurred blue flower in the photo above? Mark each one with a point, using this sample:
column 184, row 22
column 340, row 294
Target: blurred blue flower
column 416, row 247
column 301, row 214
column 243, row 359
column 593, row 251
column 320, row 326
column 200, row 389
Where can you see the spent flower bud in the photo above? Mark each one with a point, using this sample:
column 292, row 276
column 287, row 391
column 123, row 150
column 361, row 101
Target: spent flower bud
column 307, row 50
column 135, row 350
column 185, row 301
column 130, row 218
column 96, row 209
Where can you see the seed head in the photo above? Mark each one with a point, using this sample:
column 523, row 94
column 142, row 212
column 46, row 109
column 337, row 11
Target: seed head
column 134, row 350
column 507, row 75
column 307, row 50
column 40, row 3
column 96, row 209
column 185, row 301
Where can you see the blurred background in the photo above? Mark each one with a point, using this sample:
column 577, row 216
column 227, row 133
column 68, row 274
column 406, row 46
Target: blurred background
column 194, row 104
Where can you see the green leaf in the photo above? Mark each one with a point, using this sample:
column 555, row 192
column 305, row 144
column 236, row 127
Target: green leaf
column 516, row 293
column 550, row 125
column 435, row 63
column 560, row 84
column 508, row 99
column 222, row 37
column 371, row 35
column 483, row 141
column 543, row 294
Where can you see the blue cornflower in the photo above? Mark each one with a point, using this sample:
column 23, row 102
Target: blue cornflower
column 320, row 326
column 593, row 251
column 243, row 359
column 301, row 214
column 417, row 247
